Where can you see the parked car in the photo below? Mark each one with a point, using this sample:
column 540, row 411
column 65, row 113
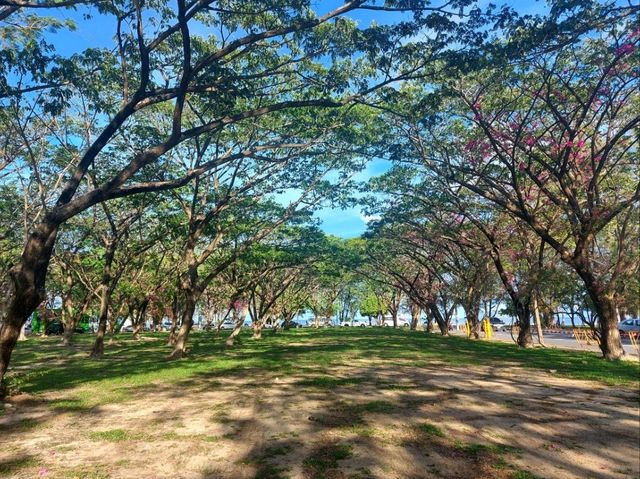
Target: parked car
column 293, row 324
column 402, row 323
column 629, row 325
column 227, row 324
column 361, row 323
column 127, row 329
column 54, row 328
column 497, row 324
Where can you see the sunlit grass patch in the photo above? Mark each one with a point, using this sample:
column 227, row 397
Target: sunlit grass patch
column 86, row 472
column 114, row 435
column 430, row 429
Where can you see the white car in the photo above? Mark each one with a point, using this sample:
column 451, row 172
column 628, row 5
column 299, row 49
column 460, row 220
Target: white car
column 402, row 323
column 356, row 323
column 227, row 324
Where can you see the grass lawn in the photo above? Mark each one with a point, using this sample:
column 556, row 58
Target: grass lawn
column 343, row 403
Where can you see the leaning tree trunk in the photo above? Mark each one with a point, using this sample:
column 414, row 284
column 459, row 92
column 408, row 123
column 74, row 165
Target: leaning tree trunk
column 536, row 313
column 26, row 290
column 238, row 321
column 180, row 348
column 442, row 323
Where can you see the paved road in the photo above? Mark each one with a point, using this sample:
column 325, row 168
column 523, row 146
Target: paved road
column 566, row 341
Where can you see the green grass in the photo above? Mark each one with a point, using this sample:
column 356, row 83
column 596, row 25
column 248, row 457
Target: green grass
column 130, row 366
column 112, row 435
column 430, row 430
column 485, row 449
column 86, row 472
column 11, row 466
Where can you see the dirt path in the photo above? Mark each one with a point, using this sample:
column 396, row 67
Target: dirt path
column 362, row 421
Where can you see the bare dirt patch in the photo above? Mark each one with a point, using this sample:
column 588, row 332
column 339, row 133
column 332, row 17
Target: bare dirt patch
column 368, row 420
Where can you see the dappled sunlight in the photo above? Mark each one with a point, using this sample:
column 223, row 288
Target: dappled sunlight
column 315, row 404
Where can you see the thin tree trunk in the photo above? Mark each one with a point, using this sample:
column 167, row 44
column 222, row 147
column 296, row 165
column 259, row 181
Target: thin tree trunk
column 180, row 348
column 105, row 299
column 536, row 312
column 415, row 315
column 238, row 320
column 23, row 333
column 139, row 319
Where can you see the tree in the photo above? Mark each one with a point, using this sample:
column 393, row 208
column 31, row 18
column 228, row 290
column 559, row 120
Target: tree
column 552, row 144
column 198, row 85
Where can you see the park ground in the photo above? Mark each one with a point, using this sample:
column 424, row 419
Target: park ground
column 314, row 404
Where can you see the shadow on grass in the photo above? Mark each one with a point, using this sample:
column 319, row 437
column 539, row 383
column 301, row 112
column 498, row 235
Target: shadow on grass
column 129, row 363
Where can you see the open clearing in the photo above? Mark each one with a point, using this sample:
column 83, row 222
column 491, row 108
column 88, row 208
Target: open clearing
column 366, row 403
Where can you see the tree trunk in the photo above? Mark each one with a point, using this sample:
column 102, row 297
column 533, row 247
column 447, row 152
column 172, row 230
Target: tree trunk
column 472, row 311
column 523, row 313
column 175, row 311
column 442, row 323
column 415, row 316
column 68, row 333
column 26, row 290
column 257, row 329
column 610, row 341
column 172, row 332
column 238, row 322
column 536, row 312
column 98, row 346
column 139, row 319
column 105, row 299
column 605, row 306
column 180, row 348
column 23, row 334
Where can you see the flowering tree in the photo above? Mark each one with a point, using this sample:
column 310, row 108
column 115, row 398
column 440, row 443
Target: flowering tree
column 552, row 144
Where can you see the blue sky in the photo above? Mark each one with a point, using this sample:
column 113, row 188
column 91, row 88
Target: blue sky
column 346, row 223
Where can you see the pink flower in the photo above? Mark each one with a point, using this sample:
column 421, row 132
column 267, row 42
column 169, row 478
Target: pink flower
column 476, row 106
column 458, row 218
column 521, row 166
column 625, row 49
column 477, row 117
column 530, row 141
column 238, row 305
column 43, row 471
